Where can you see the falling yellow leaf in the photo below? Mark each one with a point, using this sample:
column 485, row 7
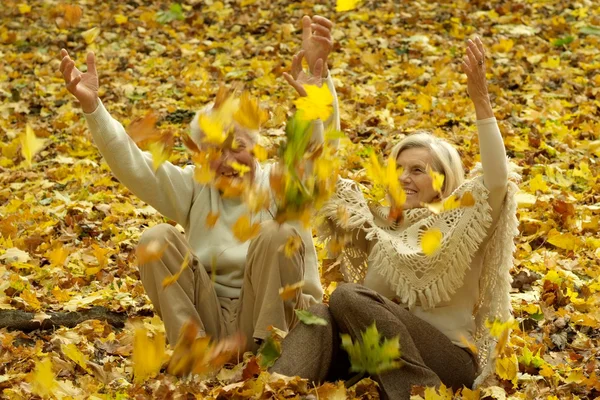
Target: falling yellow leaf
column 538, row 183
column 291, row 246
column 71, row 351
column 148, row 354
column 160, row 153
column 144, row 128
column 150, row 252
column 249, row 114
column 260, row 153
column 241, row 169
column 24, row 8
column 467, row 200
column 90, row 35
column 244, row 230
column 437, row 180
column 42, row 379
column 211, row 219
column 121, row 19
column 203, row 174
column 30, row 145
column 212, row 129
column 169, row 280
column 451, row 202
column 346, row 5
column 317, row 104
column 431, row 241
column 288, row 292
column 469, row 345
column 395, row 189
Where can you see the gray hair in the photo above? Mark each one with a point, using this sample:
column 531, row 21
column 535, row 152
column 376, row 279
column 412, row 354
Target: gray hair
column 446, row 159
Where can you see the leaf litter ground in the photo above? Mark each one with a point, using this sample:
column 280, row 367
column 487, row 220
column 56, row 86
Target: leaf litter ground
column 69, row 229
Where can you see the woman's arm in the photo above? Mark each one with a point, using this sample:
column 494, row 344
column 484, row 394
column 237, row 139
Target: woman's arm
column 491, row 144
column 170, row 189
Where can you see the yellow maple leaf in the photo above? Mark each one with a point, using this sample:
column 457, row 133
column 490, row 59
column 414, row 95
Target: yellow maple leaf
column 317, row 104
column 507, row 368
column 424, row 102
column 346, row 5
column 437, row 179
column 241, row 169
column 71, row 351
column 291, row 246
column 24, row 8
column 203, row 174
column 120, row 19
column 249, row 113
column 160, row 153
column 101, row 254
column 169, row 280
column 546, row 371
column 538, row 183
column 289, row 291
column 148, row 354
column 566, row 241
column 244, row 230
column 431, row 241
column 31, row 299
column 58, row 256
column 60, row 295
column 30, row 145
column 212, row 129
column 90, row 35
column 211, row 219
column 42, row 379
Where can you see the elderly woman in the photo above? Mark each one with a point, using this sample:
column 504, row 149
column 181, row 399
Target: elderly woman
column 437, row 301
column 247, row 276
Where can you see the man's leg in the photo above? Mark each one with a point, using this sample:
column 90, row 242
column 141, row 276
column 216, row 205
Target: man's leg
column 191, row 298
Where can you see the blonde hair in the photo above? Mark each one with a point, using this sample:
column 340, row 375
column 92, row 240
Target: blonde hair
column 446, row 159
column 196, row 133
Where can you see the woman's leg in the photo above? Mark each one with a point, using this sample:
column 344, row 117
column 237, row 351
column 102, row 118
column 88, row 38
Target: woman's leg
column 311, row 351
column 191, row 298
column 428, row 356
column 268, row 269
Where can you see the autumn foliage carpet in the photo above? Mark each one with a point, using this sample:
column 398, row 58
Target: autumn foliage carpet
column 68, row 229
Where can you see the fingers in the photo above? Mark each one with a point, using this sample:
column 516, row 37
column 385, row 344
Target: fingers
column 63, row 63
column 317, row 19
column 480, row 47
column 323, row 40
column 297, row 64
column 71, row 85
column 472, row 58
column 320, row 30
column 318, row 67
column 299, row 88
column 475, row 51
column 91, row 63
column 68, row 71
column 465, row 66
column 306, row 33
column 63, row 53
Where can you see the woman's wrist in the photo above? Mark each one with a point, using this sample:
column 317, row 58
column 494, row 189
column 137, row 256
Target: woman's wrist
column 483, row 109
column 89, row 107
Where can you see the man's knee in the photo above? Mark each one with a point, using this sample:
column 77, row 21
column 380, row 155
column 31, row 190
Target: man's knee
column 157, row 234
column 345, row 296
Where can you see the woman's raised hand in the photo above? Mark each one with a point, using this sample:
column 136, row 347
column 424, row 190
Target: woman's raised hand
column 474, row 66
column 84, row 86
column 298, row 77
column 316, row 42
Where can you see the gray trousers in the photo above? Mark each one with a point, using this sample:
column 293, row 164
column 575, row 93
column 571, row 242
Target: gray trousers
column 428, row 356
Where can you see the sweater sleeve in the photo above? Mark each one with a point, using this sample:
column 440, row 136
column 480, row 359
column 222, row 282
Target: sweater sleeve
column 170, row 190
column 494, row 164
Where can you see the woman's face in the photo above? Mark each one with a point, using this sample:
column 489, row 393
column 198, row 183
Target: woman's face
column 415, row 179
